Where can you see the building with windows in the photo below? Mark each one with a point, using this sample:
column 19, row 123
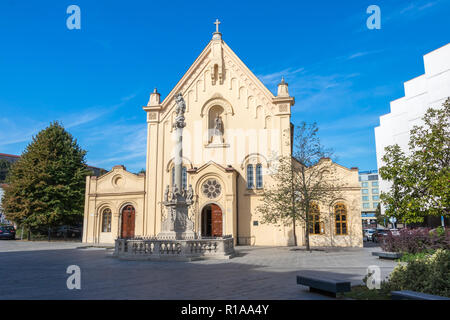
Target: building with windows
column 370, row 197
column 3, row 219
column 235, row 131
column 429, row 90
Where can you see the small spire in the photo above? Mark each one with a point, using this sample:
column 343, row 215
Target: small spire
column 283, row 90
column 155, row 98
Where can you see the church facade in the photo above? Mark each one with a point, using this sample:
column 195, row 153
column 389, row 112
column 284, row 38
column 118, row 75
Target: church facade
column 235, row 130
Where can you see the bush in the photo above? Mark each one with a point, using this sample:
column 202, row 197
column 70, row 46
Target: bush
column 416, row 240
column 429, row 274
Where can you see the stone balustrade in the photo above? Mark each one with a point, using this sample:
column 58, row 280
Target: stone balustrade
column 177, row 250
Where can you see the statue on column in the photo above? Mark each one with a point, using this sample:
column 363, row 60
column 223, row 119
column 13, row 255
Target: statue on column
column 177, row 199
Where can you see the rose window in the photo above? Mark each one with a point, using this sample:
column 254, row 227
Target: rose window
column 211, row 188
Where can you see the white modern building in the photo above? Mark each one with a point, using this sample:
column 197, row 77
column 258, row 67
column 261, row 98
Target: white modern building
column 429, row 90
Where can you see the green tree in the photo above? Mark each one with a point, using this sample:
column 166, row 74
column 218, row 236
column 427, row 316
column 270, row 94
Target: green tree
column 381, row 219
column 46, row 186
column 141, row 171
column 299, row 181
column 421, row 179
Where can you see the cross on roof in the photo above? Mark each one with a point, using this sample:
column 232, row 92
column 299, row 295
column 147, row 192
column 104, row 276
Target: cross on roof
column 217, row 25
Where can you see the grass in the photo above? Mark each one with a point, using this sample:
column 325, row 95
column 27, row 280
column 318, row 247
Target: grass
column 364, row 293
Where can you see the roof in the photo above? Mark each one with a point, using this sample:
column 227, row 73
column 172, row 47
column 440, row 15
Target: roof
column 9, row 155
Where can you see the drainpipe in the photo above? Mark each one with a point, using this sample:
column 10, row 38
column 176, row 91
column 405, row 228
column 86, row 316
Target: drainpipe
column 237, row 209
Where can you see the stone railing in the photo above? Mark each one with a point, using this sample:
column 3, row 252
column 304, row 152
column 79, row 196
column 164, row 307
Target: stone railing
column 182, row 250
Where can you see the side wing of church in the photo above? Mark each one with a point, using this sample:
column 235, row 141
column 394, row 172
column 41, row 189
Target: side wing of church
column 235, row 129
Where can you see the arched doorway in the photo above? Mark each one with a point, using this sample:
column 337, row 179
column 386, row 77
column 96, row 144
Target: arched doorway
column 128, row 216
column 211, row 221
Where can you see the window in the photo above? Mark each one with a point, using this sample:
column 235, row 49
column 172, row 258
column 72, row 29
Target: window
column 366, row 205
column 365, row 198
column 365, row 184
column 375, row 205
column 212, row 188
column 106, row 220
column 259, row 177
column 375, row 198
column 365, row 191
column 375, row 190
column 340, row 214
column 250, row 184
column 375, row 184
column 183, row 177
column 315, row 225
column 373, row 177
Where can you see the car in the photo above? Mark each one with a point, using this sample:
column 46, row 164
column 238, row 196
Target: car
column 378, row 234
column 395, row 232
column 7, row 232
column 368, row 233
column 68, row 231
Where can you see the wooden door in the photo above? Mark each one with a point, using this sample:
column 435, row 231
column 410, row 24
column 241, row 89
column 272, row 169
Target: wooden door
column 128, row 215
column 216, row 221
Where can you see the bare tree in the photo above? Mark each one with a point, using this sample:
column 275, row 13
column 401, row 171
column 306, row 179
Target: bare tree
column 300, row 182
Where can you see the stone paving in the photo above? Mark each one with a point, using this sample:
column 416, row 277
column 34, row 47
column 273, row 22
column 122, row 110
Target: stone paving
column 37, row 270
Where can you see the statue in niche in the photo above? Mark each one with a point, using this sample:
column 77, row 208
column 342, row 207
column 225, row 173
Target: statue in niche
column 218, row 129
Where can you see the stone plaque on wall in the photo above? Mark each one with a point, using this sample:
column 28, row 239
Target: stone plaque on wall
column 283, row 108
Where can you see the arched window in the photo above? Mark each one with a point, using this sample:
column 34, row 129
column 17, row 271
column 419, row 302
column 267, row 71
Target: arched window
column 183, row 177
column 250, row 183
column 106, row 220
column 315, row 225
column 259, row 176
column 340, row 215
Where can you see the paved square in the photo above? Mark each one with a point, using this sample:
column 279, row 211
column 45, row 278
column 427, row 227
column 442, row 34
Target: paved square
column 37, row 270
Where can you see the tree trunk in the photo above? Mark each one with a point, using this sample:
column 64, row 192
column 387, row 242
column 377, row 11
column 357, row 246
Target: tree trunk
column 294, row 232
column 48, row 233
column 28, row 234
column 308, row 248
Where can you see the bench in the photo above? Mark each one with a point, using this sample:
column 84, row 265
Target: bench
column 387, row 255
column 413, row 295
column 323, row 285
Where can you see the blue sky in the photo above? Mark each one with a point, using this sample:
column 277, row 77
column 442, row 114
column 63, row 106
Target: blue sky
column 95, row 80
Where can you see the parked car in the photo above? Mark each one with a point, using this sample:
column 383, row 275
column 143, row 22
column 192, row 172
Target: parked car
column 368, row 234
column 69, row 231
column 378, row 234
column 7, row 232
column 395, row 232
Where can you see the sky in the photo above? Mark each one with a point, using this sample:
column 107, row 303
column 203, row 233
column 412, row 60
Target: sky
column 95, row 80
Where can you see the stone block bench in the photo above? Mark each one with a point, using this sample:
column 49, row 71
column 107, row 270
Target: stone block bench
column 413, row 295
column 387, row 255
column 323, row 285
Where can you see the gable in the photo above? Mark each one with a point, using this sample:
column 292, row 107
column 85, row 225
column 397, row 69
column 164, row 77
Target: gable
column 118, row 180
column 219, row 67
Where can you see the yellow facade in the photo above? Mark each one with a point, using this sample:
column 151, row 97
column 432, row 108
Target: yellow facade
column 232, row 122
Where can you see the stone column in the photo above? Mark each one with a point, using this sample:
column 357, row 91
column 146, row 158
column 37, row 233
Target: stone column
column 177, row 225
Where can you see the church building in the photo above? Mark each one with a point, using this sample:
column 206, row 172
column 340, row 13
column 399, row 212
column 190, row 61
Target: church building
column 235, row 130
